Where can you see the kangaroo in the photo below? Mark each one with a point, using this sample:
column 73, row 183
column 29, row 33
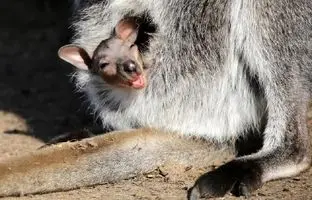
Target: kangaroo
column 220, row 71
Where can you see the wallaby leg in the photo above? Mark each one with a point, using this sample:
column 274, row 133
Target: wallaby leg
column 285, row 151
column 101, row 159
column 275, row 160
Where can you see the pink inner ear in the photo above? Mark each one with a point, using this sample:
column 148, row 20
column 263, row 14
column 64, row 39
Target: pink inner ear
column 125, row 33
column 125, row 28
column 75, row 55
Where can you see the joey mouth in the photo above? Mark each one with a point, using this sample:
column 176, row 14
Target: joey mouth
column 135, row 79
column 138, row 82
column 135, row 82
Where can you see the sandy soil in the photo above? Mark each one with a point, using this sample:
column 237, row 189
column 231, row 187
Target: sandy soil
column 37, row 102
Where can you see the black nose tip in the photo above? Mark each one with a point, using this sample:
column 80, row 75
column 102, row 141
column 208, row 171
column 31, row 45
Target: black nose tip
column 129, row 66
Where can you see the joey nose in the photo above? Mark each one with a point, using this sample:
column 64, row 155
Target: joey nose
column 129, row 66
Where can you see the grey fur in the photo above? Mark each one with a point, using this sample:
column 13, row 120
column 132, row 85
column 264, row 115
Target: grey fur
column 219, row 67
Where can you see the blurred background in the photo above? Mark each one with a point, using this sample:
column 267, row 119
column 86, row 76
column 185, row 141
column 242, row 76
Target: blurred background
column 37, row 97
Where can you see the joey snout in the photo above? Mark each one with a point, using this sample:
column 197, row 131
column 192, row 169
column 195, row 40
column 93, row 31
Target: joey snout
column 130, row 70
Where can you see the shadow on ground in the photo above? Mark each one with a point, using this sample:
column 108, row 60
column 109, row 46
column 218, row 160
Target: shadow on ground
column 34, row 83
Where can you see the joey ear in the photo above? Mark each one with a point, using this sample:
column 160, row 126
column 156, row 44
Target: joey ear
column 75, row 55
column 134, row 50
column 127, row 29
column 133, row 36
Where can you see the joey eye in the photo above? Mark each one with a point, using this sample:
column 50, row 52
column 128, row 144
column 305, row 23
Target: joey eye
column 103, row 65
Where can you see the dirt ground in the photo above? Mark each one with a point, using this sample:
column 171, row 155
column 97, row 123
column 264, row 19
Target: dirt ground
column 37, row 102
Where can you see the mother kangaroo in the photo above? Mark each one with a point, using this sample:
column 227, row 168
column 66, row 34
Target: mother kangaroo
column 217, row 69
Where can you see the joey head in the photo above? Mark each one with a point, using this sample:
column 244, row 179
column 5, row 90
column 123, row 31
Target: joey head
column 116, row 60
